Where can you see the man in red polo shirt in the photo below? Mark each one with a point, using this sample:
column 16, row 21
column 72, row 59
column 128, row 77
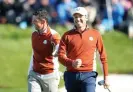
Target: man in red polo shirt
column 77, row 51
column 43, row 71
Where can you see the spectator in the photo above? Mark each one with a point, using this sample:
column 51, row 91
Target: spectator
column 29, row 7
column 117, row 17
column 51, row 10
column 130, row 22
column 64, row 11
column 19, row 10
column 7, row 12
column 91, row 7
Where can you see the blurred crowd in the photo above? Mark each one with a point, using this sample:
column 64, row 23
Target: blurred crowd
column 19, row 11
column 105, row 15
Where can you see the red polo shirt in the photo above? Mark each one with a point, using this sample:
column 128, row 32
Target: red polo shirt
column 75, row 45
column 43, row 46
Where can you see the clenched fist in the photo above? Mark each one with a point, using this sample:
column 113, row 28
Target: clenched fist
column 77, row 63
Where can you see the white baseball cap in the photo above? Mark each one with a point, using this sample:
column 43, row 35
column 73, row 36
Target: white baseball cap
column 80, row 10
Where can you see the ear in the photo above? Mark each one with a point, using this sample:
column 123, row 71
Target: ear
column 43, row 21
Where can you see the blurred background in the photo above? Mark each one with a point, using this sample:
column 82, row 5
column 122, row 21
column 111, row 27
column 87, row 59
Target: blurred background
column 112, row 18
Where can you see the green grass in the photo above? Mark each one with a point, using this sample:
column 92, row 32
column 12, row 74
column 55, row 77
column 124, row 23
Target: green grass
column 15, row 52
column 120, row 52
column 13, row 90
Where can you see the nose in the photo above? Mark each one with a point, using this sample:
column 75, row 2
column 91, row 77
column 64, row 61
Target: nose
column 78, row 18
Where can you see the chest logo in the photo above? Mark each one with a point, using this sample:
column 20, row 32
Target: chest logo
column 45, row 42
column 91, row 38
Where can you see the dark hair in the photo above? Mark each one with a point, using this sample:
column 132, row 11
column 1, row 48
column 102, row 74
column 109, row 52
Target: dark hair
column 41, row 13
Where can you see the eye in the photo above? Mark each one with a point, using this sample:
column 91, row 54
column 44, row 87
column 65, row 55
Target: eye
column 80, row 16
column 75, row 17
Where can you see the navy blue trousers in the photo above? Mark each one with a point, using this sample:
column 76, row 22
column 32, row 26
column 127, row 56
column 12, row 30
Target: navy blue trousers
column 80, row 81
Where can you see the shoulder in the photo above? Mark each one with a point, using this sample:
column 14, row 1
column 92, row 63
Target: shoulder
column 95, row 32
column 54, row 33
column 35, row 33
column 69, row 32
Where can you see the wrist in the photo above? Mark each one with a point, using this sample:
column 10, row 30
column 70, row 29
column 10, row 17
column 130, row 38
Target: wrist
column 106, row 77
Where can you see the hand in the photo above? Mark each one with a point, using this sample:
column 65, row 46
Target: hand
column 77, row 63
column 106, row 84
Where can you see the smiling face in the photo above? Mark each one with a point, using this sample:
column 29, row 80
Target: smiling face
column 38, row 23
column 79, row 20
